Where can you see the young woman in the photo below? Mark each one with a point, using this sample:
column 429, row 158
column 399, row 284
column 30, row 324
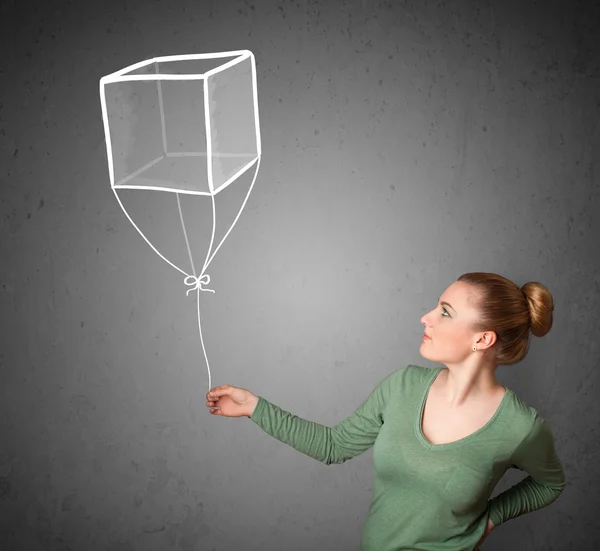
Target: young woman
column 442, row 438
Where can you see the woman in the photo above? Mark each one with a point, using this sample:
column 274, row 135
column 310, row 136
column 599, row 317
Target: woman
column 442, row 438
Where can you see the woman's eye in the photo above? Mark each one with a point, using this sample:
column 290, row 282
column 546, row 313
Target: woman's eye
column 445, row 311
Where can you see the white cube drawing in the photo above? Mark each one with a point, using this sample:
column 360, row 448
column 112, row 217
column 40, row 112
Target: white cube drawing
column 183, row 124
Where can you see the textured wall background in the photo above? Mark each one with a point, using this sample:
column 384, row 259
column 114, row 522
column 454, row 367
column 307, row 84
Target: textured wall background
column 404, row 143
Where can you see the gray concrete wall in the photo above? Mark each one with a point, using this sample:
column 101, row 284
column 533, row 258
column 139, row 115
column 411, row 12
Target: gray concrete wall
column 404, row 143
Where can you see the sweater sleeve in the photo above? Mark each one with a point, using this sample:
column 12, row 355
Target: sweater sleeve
column 349, row 438
column 537, row 456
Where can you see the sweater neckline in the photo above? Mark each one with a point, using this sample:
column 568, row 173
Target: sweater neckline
column 455, row 443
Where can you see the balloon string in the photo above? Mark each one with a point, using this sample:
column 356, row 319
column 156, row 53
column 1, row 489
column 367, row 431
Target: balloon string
column 196, row 283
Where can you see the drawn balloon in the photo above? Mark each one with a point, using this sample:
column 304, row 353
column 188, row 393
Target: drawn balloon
column 182, row 129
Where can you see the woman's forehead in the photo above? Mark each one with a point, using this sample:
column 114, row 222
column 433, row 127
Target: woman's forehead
column 460, row 294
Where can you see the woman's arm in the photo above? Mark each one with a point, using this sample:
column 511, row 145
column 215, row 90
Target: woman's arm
column 537, row 456
column 349, row 438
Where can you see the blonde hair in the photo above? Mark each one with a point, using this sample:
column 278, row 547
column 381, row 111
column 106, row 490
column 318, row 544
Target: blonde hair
column 511, row 312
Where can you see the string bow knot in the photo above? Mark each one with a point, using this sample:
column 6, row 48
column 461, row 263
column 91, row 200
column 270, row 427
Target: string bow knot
column 197, row 282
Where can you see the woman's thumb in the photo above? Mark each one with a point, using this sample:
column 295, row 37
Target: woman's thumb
column 218, row 391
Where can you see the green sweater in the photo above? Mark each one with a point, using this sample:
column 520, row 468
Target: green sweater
column 430, row 497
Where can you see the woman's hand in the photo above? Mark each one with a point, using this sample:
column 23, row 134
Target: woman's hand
column 488, row 530
column 230, row 401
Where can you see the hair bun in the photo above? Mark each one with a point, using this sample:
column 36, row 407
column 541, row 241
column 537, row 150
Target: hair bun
column 541, row 306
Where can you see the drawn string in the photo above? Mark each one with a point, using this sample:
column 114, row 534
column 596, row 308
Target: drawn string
column 192, row 280
column 197, row 282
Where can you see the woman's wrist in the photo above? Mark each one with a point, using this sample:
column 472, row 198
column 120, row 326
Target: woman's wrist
column 253, row 404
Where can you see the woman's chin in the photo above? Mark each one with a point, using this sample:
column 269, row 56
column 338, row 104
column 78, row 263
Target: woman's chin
column 424, row 350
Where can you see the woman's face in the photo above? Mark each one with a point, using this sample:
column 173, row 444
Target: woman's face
column 449, row 326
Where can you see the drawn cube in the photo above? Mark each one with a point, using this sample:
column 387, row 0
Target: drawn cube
column 186, row 123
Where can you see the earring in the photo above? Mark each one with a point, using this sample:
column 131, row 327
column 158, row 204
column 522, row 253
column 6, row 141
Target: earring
column 474, row 349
